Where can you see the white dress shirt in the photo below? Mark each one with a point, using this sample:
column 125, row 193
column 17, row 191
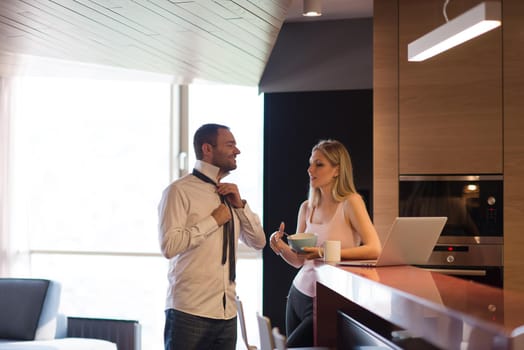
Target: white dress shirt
column 192, row 241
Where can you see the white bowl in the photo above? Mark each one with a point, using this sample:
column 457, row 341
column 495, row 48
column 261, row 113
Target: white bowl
column 300, row 240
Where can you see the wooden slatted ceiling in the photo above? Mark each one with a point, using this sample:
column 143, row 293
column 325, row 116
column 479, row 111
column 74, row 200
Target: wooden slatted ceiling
column 226, row 41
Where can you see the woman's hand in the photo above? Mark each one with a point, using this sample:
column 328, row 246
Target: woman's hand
column 313, row 252
column 281, row 248
column 275, row 241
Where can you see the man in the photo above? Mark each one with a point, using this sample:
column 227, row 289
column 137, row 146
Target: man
column 201, row 219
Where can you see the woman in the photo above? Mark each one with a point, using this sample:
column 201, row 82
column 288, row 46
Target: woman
column 334, row 211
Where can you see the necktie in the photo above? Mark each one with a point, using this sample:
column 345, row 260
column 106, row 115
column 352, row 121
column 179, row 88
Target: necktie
column 229, row 230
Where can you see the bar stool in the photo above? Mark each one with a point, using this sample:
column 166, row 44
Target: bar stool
column 240, row 313
column 280, row 339
column 269, row 342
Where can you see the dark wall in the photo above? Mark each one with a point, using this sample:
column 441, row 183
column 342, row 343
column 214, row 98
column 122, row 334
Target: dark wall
column 321, row 56
column 294, row 123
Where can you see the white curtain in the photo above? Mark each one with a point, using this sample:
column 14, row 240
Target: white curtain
column 5, row 109
column 15, row 259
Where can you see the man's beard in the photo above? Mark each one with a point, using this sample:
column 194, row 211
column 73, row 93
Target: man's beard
column 225, row 165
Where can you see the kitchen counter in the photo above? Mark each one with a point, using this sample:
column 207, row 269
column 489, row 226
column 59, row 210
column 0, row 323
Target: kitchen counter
column 403, row 302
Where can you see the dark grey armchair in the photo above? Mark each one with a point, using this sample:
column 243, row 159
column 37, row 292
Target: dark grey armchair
column 29, row 319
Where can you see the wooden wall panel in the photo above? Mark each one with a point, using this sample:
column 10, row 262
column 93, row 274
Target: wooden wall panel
column 476, row 124
column 513, row 33
column 385, row 114
column 450, row 109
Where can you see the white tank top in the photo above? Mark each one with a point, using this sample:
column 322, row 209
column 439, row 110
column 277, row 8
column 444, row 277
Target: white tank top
column 335, row 230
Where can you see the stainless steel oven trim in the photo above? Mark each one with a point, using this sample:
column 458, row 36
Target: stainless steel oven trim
column 471, row 240
column 476, row 255
column 458, row 272
column 450, row 177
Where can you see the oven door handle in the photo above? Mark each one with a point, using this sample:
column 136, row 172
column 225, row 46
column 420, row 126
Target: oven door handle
column 459, row 272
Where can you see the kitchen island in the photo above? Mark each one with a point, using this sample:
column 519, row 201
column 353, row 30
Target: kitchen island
column 405, row 307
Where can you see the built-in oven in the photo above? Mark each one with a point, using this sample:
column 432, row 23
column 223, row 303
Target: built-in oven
column 472, row 241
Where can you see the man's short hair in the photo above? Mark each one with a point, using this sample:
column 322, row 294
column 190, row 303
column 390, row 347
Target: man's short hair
column 207, row 133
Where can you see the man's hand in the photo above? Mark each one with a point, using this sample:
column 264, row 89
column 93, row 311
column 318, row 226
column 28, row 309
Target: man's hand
column 230, row 191
column 221, row 214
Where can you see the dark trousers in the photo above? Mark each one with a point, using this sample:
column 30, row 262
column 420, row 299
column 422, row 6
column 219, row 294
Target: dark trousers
column 188, row 332
column 299, row 319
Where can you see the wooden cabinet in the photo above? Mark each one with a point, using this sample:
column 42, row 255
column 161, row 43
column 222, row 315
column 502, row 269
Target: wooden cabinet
column 513, row 144
column 460, row 113
column 450, row 106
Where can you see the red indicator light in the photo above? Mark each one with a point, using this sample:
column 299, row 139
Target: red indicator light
column 450, row 249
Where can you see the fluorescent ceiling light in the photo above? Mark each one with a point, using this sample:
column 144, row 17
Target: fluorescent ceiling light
column 312, row 8
column 472, row 23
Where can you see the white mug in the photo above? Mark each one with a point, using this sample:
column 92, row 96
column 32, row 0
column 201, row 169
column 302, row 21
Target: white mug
column 332, row 251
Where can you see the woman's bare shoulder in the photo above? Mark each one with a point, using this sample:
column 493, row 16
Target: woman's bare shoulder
column 304, row 207
column 354, row 203
column 353, row 198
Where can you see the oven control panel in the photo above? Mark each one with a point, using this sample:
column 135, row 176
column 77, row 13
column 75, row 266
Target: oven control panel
column 467, row 255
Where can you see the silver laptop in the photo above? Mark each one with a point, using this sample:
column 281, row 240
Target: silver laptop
column 410, row 241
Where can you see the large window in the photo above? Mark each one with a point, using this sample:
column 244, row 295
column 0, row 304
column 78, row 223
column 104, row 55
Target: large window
column 89, row 160
column 241, row 109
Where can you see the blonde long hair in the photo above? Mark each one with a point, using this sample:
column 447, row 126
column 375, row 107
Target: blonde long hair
column 337, row 155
